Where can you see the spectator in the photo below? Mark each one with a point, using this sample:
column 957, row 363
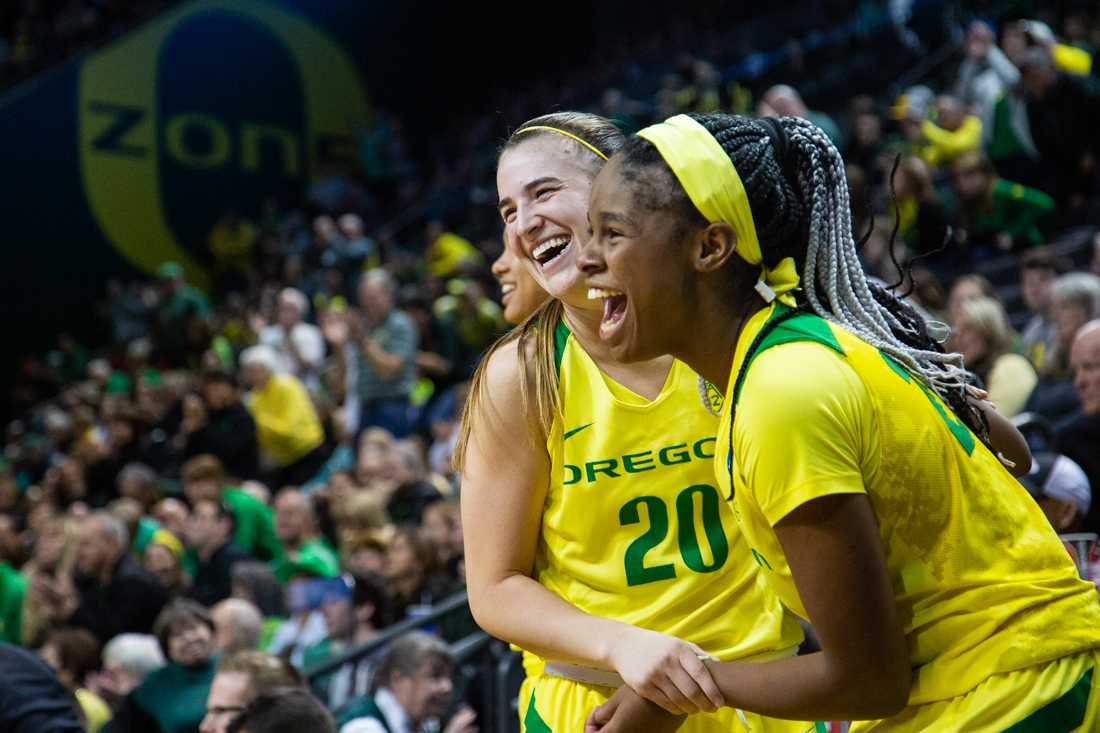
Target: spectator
column 412, row 492
column 985, row 74
column 173, row 698
column 1078, row 436
column 448, row 252
column 966, row 288
column 285, row 710
column 31, row 698
column 127, row 661
column 1062, row 112
column 255, row 582
column 237, row 626
column 298, row 345
column 412, row 686
column 386, row 356
column 361, row 250
column 1061, row 489
column 220, row 425
column 74, row 655
column 783, row 100
column 1075, row 300
column 209, row 536
column 995, row 213
column 138, row 482
column 352, row 621
column 173, row 515
column 204, row 479
column 112, row 593
column 922, row 223
column 952, row 133
column 242, row 677
column 287, row 427
column 442, row 527
column 1038, row 269
column 180, row 317
column 164, row 559
column 305, row 553
column 412, row 572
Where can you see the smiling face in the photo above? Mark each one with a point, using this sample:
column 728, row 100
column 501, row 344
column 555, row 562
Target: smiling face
column 519, row 293
column 638, row 263
column 543, row 185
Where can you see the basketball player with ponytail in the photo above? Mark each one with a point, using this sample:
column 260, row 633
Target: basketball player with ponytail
column 596, row 536
column 850, row 445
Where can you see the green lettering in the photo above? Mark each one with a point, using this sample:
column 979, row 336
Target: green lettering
column 668, row 458
column 631, row 465
column 253, row 137
column 606, row 466
column 576, row 475
column 698, row 447
column 217, row 147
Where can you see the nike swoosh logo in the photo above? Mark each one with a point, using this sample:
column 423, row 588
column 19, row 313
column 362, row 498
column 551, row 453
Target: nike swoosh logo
column 574, row 431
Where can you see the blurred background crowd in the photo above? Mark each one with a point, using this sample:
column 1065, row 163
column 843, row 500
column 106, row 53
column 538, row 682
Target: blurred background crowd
column 266, row 465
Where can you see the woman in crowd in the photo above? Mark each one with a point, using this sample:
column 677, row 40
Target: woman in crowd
column 569, row 554
column 172, row 699
column 985, row 339
column 849, row 444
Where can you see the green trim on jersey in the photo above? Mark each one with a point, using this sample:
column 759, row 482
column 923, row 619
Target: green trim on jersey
column 533, row 722
column 561, row 336
column 1062, row 715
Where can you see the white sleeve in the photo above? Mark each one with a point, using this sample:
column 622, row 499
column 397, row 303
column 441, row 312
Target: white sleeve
column 310, row 344
column 362, row 725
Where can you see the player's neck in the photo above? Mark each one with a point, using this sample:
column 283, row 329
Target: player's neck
column 714, row 330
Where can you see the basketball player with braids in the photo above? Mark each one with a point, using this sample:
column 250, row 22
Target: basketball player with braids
column 595, row 534
column 857, row 464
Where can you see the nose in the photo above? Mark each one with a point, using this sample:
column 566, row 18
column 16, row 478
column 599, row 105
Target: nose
column 590, row 259
column 527, row 222
column 500, row 264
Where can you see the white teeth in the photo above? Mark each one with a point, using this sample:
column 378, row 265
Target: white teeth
column 600, row 293
column 549, row 244
column 506, row 288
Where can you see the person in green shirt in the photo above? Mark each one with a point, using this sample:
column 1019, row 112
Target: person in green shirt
column 204, row 479
column 305, row 552
column 994, row 211
column 13, row 589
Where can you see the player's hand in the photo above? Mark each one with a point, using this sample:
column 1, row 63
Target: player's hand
column 667, row 671
column 462, row 722
column 628, row 711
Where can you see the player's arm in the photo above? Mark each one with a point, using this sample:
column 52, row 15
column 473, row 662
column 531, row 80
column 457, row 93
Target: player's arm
column 1004, row 438
column 862, row 671
column 504, row 479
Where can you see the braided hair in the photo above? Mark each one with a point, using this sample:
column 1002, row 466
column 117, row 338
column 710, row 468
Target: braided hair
column 797, row 189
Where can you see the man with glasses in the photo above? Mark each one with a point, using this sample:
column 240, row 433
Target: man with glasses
column 239, row 680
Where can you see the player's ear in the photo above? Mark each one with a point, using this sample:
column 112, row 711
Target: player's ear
column 713, row 246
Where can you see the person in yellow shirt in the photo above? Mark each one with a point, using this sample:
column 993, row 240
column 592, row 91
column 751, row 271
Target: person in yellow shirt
column 595, row 532
column 288, row 429
column 850, row 446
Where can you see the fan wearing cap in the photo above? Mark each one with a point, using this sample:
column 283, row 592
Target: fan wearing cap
column 1062, row 490
column 859, row 465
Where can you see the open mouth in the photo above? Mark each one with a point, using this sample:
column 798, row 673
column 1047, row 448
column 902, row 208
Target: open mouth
column 551, row 250
column 506, row 291
column 614, row 309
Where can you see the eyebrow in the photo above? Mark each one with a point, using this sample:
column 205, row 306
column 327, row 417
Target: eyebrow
column 612, row 216
column 528, row 188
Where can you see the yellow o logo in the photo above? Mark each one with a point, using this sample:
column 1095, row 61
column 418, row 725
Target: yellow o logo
column 118, row 121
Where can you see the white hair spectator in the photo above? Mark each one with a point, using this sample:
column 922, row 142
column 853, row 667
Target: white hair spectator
column 263, row 356
column 138, row 654
column 296, row 298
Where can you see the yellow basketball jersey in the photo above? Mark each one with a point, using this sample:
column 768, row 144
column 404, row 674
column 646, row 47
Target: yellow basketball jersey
column 981, row 581
column 634, row 527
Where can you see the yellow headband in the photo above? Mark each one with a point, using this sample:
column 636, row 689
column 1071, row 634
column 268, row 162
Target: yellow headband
column 585, row 143
column 711, row 181
column 166, row 539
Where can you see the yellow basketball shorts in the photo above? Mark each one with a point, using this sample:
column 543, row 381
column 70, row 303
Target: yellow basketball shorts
column 1062, row 696
column 559, row 705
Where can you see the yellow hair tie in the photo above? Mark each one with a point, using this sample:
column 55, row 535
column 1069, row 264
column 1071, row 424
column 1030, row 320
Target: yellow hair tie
column 570, row 135
column 164, row 538
column 711, row 181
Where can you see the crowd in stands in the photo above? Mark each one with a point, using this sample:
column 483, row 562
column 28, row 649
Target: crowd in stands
column 246, row 482
column 35, row 34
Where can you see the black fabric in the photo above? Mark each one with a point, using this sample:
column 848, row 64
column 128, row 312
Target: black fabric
column 130, row 601
column 31, row 698
column 407, row 503
column 229, row 434
column 212, row 578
